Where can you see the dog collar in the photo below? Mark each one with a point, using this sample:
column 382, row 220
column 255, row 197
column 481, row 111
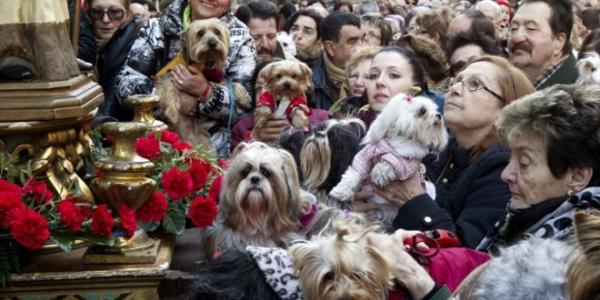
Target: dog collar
column 276, row 265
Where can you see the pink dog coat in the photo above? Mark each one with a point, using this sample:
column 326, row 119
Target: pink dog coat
column 404, row 167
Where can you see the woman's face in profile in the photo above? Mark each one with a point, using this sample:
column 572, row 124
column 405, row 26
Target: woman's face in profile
column 472, row 103
column 107, row 16
column 528, row 174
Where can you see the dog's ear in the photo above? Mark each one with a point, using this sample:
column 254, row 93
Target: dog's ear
column 306, row 71
column 266, row 73
column 226, row 34
column 385, row 120
column 239, row 148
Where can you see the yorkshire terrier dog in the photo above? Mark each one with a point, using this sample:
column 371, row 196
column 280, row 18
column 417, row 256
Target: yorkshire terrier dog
column 284, row 94
column 589, row 68
column 205, row 45
column 261, row 202
column 406, row 130
column 339, row 267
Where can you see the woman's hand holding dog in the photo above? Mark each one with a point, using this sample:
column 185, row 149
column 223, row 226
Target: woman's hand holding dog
column 400, row 192
column 189, row 80
column 270, row 131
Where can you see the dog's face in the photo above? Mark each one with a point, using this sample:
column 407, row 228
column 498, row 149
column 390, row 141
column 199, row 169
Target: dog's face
column 287, row 43
column 287, row 79
column 206, row 42
column 262, row 193
column 413, row 118
column 589, row 68
column 331, row 267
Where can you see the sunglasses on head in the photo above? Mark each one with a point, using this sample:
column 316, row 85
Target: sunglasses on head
column 114, row 14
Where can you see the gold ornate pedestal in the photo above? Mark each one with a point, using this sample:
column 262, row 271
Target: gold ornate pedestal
column 64, row 276
column 47, row 122
column 142, row 106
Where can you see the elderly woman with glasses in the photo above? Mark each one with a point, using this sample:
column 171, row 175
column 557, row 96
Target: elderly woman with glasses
column 470, row 194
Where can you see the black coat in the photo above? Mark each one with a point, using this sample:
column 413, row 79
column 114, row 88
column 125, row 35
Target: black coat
column 470, row 198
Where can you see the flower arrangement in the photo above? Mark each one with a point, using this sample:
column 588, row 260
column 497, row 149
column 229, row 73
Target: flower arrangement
column 189, row 183
column 32, row 216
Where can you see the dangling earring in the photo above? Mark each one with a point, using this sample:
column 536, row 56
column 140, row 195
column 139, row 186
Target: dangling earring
column 570, row 192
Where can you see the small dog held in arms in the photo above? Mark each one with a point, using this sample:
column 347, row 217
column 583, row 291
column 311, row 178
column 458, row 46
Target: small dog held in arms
column 261, row 202
column 406, row 130
column 284, row 95
column 205, row 46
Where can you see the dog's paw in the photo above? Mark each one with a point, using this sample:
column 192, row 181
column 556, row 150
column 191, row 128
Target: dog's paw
column 382, row 174
column 299, row 119
column 340, row 194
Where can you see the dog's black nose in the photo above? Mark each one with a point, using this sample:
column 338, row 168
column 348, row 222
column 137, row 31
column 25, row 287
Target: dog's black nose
column 255, row 180
column 212, row 43
column 287, row 84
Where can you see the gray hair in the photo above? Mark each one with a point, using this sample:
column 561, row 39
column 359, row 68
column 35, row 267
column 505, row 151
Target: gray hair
column 365, row 7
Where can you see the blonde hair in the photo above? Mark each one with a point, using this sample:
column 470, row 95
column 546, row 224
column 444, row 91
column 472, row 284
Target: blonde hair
column 583, row 276
column 361, row 54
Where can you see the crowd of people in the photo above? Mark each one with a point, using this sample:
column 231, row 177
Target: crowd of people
column 515, row 85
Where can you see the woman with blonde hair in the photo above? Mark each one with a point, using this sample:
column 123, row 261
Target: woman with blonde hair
column 471, row 196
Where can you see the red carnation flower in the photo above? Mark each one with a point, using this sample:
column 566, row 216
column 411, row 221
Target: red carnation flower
column 128, row 222
column 177, row 184
column 223, row 163
column 181, row 146
column 147, row 147
column 102, row 221
column 7, row 187
column 39, row 190
column 9, row 201
column 169, row 137
column 199, row 170
column 215, row 189
column 70, row 215
column 202, row 211
column 30, row 229
column 154, row 208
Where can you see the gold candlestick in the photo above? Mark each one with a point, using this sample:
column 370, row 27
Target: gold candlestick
column 142, row 106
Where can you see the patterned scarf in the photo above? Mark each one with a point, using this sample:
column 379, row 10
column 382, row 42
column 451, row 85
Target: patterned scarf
column 336, row 75
column 276, row 265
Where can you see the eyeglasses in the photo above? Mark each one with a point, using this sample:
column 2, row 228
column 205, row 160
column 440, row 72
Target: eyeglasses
column 114, row 14
column 473, row 84
column 306, row 31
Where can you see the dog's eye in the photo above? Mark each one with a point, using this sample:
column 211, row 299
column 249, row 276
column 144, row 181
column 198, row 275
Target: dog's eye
column 328, row 276
column 593, row 69
column 265, row 172
column 357, row 276
column 200, row 33
column 279, row 76
column 246, row 171
column 217, row 32
column 422, row 111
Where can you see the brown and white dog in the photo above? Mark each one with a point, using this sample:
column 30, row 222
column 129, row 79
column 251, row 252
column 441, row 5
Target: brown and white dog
column 205, row 45
column 260, row 203
column 284, row 95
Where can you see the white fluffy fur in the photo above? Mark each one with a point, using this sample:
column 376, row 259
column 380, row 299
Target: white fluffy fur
column 412, row 126
column 589, row 68
column 287, row 43
column 532, row 269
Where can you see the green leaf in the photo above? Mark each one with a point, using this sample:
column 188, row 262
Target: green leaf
column 174, row 220
column 63, row 241
column 149, row 226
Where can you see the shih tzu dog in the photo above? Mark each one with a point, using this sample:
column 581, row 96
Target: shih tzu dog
column 588, row 66
column 284, row 93
column 338, row 266
column 261, row 202
column 406, row 130
column 205, row 45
